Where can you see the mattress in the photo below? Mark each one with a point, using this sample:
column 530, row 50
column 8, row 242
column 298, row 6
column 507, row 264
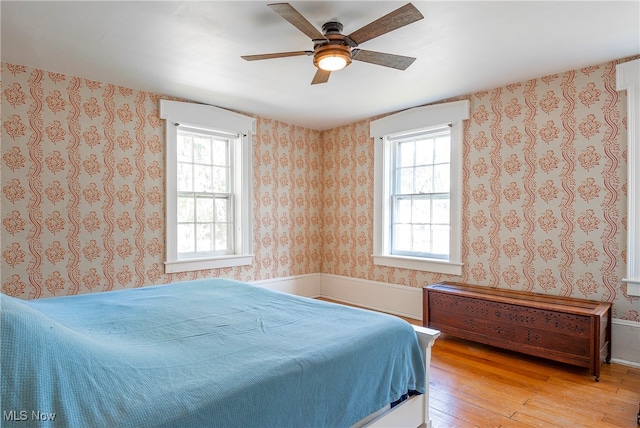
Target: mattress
column 204, row 353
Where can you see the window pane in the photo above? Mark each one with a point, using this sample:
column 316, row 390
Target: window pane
column 184, row 182
column 402, row 213
column 222, row 237
column 443, row 149
column 402, row 237
column 424, row 179
column 220, row 179
column 405, row 153
column 405, row 181
column 421, row 210
column 185, row 212
column 186, row 238
column 222, row 211
column 184, row 148
column 440, row 240
column 219, row 152
column 440, row 210
column 204, row 210
column 202, row 178
column 202, row 149
column 441, row 178
column 204, row 241
column 424, row 152
column 421, row 239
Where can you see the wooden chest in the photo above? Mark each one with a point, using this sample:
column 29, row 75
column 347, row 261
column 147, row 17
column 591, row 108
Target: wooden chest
column 573, row 331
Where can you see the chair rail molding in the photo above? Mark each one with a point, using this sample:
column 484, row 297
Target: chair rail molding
column 628, row 78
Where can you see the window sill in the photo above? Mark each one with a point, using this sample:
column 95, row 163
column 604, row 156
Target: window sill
column 415, row 263
column 175, row 266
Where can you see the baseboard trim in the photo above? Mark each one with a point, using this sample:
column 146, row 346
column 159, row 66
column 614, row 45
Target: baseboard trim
column 625, row 342
column 625, row 362
column 407, row 302
column 380, row 296
column 301, row 285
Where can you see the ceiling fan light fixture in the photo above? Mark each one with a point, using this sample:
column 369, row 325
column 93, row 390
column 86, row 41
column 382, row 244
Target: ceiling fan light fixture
column 334, row 51
column 332, row 63
column 332, row 57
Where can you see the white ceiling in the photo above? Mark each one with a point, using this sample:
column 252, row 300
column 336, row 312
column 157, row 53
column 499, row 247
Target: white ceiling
column 192, row 49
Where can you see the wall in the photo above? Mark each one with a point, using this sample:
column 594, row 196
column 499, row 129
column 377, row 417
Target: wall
column 83, row 190
column 544, row 191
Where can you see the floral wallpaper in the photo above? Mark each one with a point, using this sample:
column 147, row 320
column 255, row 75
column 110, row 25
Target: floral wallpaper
column 83, row 190
column 544, row 194
column 544, row 191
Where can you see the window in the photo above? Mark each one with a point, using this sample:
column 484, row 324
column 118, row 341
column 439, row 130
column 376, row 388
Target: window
column 419, row 204
column 208, row 187
column 418, row 188
column 205, row 202
column 628, row 77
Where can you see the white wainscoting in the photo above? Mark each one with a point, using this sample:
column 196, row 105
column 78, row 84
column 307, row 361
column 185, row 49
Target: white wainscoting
column 407, row 302
column 390, row 298
column 300, row 285
column 625, row 342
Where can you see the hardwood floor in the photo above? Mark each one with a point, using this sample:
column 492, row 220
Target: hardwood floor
column 474, row 385
column 477, row 385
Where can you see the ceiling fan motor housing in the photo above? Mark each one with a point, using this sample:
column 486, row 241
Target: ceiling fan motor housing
column 333, row 45
column 332, row 27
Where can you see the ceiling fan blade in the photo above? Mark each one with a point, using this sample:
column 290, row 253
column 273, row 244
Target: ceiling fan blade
column 405, row 15
column 322, row 76
column 387, row 60
column 275, row 55
column 286, row 11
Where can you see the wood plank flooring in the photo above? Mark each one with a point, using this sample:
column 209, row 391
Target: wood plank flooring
column 474, row 385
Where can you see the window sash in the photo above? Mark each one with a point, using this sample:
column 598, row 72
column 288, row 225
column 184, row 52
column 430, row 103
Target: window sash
column 417, row 237
column 220, row 225
column 200, row 233
column 420, row 178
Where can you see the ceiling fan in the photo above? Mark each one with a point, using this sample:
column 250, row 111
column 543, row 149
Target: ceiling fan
column 334, row 51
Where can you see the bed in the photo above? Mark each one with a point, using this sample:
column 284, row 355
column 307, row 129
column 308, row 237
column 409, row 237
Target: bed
column 208, row 353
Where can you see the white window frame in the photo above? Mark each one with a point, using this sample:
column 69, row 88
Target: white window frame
column 628, row 77
column 200, row 116
column 394, row 191
column 410, row 121
column 228, row 195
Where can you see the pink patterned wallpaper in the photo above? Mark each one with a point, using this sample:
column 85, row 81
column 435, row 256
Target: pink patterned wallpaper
column 83, row 190
column 544, row 191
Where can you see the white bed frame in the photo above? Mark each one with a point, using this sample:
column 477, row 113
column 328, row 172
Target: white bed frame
column 413, row 412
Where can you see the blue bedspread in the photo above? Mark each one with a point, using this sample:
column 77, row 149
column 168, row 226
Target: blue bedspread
column 205, row 353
